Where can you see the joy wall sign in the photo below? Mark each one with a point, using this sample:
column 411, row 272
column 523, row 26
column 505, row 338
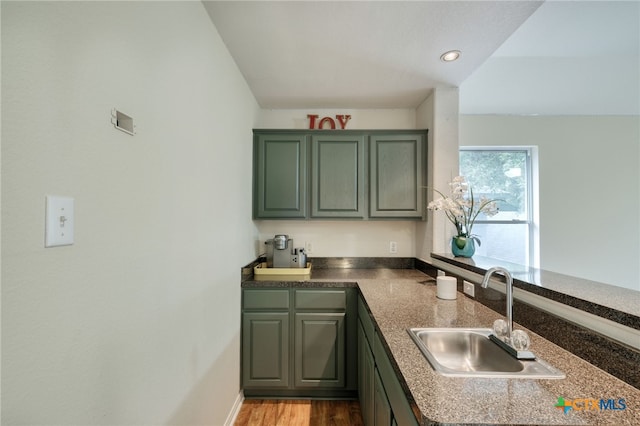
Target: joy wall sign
column 315, row 122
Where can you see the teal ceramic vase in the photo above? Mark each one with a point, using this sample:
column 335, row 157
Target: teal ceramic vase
column 463, row 246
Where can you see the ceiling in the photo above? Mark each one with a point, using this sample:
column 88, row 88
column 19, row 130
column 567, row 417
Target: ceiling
column 518, row 57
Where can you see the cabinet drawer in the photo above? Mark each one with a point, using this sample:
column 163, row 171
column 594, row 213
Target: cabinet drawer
column 321, row 299
column 265, row 299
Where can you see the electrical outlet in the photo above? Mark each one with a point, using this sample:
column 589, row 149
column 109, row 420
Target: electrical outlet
column 469, row 289
column 308, row 247
column 393, row 247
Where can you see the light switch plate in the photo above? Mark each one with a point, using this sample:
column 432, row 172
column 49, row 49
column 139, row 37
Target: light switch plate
column 59, row 221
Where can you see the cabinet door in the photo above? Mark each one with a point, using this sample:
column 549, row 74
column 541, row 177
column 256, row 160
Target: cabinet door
column 366, row 371
column 338, row 176
column 281, row 176
column 383, row 413
column 319, row 350
column 265, row 349
column 397, row 164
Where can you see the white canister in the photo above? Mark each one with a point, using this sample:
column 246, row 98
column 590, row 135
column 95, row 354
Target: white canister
column 446, row 287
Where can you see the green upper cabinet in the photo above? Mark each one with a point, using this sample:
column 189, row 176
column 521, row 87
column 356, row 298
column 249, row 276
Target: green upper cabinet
column 397, row 175
column 338, row 176
column 280, row 176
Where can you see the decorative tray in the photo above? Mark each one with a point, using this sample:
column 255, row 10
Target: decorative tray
column 262, row 269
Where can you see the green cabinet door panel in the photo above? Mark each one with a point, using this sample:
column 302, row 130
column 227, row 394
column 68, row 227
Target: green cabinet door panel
column 382, row 412
column 397, row 180
column 382, row 398
column 338, row 176
column 319, row 350
column 365, row 320
column 265, row 349
column 366, row 370
column 280, row 176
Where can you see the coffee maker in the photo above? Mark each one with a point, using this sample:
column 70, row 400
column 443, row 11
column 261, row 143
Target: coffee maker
column 282, row 254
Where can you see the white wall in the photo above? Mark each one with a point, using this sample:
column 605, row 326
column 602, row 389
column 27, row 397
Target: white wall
column 138, row 322
column 589, row 189
column 439, row 113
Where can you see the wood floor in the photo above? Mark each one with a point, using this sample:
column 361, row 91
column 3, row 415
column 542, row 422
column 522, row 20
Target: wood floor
column 267, row 412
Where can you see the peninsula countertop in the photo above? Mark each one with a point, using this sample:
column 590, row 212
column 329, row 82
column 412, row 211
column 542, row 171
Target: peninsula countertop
column 399, row 299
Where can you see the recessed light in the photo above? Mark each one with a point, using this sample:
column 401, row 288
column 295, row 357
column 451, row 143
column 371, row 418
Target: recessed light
column 450, row 56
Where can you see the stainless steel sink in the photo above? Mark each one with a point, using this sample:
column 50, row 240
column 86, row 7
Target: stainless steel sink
column 468, row 352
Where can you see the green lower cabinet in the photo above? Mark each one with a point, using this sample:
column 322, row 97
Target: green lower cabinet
column 382, row 398
column 299, row 342
column 320, row 350
column 265, row 359
column 366, row 371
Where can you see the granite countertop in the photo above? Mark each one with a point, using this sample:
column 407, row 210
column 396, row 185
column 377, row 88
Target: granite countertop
column 618, row 304
column 399, row 299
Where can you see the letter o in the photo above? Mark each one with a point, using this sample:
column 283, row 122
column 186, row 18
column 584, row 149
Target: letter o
column 327, row 120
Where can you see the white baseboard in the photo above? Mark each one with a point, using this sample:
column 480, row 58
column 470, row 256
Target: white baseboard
column 231, row 418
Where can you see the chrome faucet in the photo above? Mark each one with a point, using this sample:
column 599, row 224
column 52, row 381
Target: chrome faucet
column 515, row 342
column 509, row 283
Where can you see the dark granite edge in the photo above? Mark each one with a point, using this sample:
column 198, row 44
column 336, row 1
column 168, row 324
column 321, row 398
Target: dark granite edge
column 612, row 314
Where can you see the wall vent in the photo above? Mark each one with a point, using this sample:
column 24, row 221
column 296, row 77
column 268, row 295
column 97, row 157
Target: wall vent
column 122, row 122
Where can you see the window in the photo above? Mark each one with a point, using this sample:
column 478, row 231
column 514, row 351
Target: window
column 505, row 174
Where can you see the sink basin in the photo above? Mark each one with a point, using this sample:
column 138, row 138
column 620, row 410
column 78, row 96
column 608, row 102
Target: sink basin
column 468, row 352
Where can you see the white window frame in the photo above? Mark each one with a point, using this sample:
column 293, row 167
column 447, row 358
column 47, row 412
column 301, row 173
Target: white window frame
column 533, row 199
